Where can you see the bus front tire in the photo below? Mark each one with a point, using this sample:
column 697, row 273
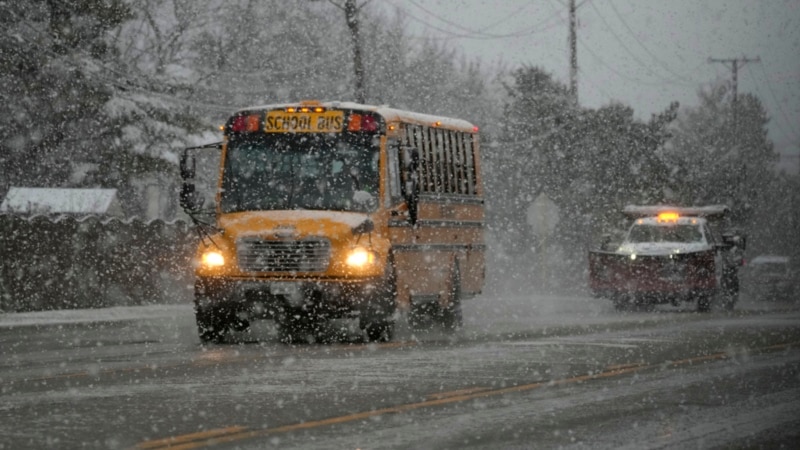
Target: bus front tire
column 376, row 321
column 378, row 330
column 211, row 326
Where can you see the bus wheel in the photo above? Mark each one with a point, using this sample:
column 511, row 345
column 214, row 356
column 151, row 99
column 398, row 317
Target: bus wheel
column 420, row 316
column 376, row 320
column 289, row 332
column 378, row 331
column 451, row 315
column 211, row 325
column 299, row 326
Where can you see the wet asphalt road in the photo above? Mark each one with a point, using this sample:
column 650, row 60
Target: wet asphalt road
column 524, row 372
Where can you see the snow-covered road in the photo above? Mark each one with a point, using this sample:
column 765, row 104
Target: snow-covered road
column 525, row 372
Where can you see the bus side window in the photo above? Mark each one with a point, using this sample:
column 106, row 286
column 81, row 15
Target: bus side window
column 394, row 192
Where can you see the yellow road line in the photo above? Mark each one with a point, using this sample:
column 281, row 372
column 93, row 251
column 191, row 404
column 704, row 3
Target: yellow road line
column 171, row 442
column 624, row 366
column 454, row 397
column 448, row 398
column 439, row 395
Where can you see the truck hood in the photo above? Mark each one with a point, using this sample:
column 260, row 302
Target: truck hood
column 662, row 248
column 291, row 224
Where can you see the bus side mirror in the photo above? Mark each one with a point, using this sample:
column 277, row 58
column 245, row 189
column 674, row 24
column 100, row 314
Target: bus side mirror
column 190, row 200
column 412, row 187
column 187, row 166
column 731, row 240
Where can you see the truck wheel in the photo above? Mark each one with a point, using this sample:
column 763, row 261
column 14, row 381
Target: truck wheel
column 703, row 303
column 621, row 302
column 729, row 301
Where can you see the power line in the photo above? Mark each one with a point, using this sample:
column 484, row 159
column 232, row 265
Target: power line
column 463, row 28
column 733, row 65
column 664, row 65
column 602, row 62
column 633, row 55
column 612, row 69
column 596, row 86
column 778, row 103
column 478, row 34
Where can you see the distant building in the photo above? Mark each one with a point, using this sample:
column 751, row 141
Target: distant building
column 76, row 202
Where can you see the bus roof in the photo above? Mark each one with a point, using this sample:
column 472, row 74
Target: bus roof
column 389, row 114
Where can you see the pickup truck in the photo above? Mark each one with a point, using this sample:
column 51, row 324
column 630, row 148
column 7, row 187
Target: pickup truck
column 669, row 255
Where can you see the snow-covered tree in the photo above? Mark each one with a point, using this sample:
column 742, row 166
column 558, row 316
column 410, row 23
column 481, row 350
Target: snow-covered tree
column 720, row 152
column 52, row 98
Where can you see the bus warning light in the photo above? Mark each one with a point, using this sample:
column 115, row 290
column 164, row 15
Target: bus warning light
column 354, row 124
column 369, row 123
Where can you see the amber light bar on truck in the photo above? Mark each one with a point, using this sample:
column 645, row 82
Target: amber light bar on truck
column 668, row 217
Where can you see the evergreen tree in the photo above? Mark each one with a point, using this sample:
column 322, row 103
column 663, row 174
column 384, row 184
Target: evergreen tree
column 52, row 98
column 720, row 152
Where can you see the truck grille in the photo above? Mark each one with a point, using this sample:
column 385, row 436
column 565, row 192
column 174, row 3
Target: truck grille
column 261, row 255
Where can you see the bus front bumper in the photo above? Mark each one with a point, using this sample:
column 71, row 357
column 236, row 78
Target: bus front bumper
column 269, row 298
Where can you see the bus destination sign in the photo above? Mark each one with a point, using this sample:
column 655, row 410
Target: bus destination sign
column 280, row 121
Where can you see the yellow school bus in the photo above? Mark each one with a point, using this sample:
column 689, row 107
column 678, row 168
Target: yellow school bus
column 339, row 210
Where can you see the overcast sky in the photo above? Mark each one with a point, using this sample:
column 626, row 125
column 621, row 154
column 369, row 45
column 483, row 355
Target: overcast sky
column 644, row 53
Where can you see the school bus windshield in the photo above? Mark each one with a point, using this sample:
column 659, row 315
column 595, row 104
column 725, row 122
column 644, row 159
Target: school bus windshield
column 300, row 171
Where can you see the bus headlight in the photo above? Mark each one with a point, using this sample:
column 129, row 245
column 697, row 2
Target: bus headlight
column 360, row 257
column 213, row 258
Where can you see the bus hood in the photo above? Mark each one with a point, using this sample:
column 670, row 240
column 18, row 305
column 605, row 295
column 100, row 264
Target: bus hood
column 291, row 224
column 662, row 248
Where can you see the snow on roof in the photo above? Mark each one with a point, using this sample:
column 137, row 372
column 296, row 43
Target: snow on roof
column 770, row 259
column 59, row 201
column 388, row 113
column 679, row 221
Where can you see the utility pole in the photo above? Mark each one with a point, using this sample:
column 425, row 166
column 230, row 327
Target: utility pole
column 351, row 9
column 351, row 14
column 573, row 52
column 734, row 64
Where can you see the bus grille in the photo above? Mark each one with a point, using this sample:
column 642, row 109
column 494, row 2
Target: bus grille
column 260, row 255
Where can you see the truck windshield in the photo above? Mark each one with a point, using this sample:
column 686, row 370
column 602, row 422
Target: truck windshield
column 300, row 171
column 665, row 233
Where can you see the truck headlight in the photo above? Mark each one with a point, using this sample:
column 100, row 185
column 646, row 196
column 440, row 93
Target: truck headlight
column 213, row 258
column 360, row 257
